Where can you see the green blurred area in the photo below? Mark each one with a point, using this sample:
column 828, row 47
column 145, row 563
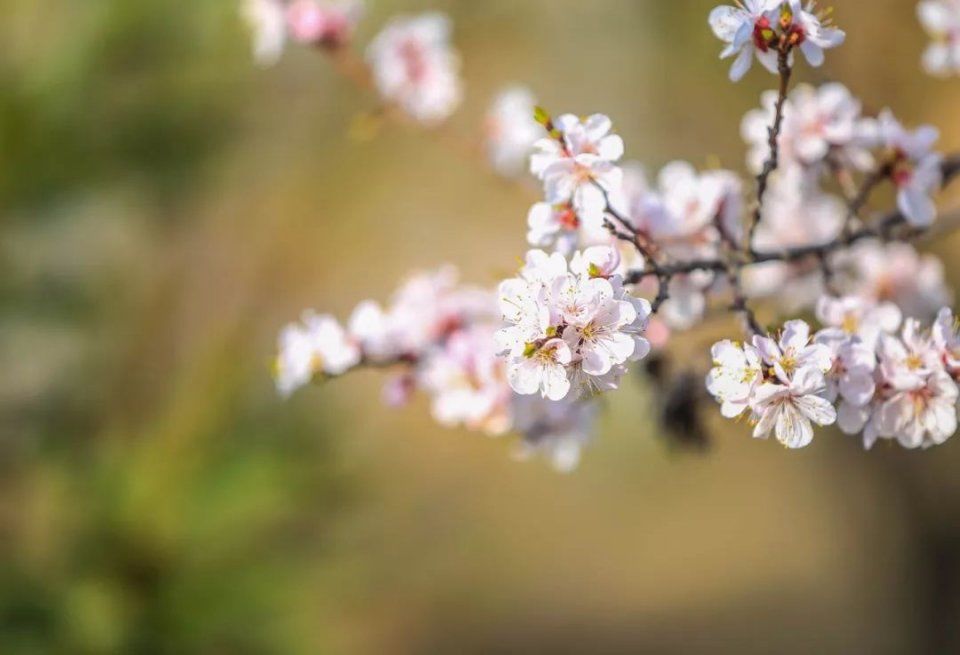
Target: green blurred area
column 167, row 206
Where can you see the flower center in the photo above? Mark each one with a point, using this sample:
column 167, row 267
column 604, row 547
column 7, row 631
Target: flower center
column 763, row 34
column 789, row 364
column 850, row 324
column 914, row 362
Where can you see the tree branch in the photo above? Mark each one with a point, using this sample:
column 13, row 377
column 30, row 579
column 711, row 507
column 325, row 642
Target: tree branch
column 773, row 160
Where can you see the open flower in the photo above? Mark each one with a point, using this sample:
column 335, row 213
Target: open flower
column 917, row 170
column 923, row 416
column 748, row 30
column 850, row 316
column 735, row 375
column 817, row 123
column 793, row 351
column 316, row 345
column 941, row 19
column 579, row 168
column 415, row 67
column 542, row 370
column 808, row 31
column 789, row 409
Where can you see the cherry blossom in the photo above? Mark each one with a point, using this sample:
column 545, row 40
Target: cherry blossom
column 924, row 415
column 819, row 123
column 748, row 30
column 864, row 318
column 916, row 167
column 941, row 19
column 586, row 307
column 578, row 167
column 415, row 67
column 317, row 345
column 329, row 23
column 268, row 23
column 734, row 377
column 793, row 351
column 619, row 262
column 895, row 273
column 946, row 338
column 789, row 408
column 809, row 31
column 511, row 130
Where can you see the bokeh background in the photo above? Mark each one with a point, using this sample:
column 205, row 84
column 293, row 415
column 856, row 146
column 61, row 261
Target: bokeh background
column 165, row 206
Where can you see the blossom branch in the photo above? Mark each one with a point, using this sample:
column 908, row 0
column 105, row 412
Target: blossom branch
column 773, row 160
column 883, row 229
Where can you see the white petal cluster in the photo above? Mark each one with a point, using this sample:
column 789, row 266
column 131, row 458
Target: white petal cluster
column 916, row 167
column 782, row 383
column 323, row 23
column 439, row 336
column 272, row 23
column 317, row 345
column 687, row 214
column 859, row 372
column 571, row 328
column 820, row 124
column 577, row 164
column 824, row 137
column 268, row 26
column 415, row 67
column 760, row 28
column 511, row 130
column 941, row 20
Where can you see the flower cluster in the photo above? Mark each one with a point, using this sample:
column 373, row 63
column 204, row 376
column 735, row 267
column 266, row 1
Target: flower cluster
column 439, row 337
column 326, row 23
column 571, row 327
column 768, row 28
column 825, row 138
column 620, row 259
column 688, row 214
column 941, row 19
column 857, row 371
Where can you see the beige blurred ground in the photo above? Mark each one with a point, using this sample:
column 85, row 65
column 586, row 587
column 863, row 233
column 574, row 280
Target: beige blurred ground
column 168, row 206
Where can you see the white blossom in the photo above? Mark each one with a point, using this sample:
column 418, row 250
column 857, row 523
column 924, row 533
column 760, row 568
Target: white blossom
column 812, row 34
column 579, row 167
column 793, row 351
column 946, row 338
column 329, row 23
column 895, row 273
column 917, row 170
column 317, row 345
column 586, row 307
column 267, row 21
column 415, row 67
column 788, row 408
column 511, row 130
column 858, row 316
column 922, row 416
column 748, row 30
column 817, row 123
column 941, row 19
column 735, row 375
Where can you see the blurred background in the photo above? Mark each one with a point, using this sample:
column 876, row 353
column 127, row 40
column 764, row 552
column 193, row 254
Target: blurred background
column 165, row 206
